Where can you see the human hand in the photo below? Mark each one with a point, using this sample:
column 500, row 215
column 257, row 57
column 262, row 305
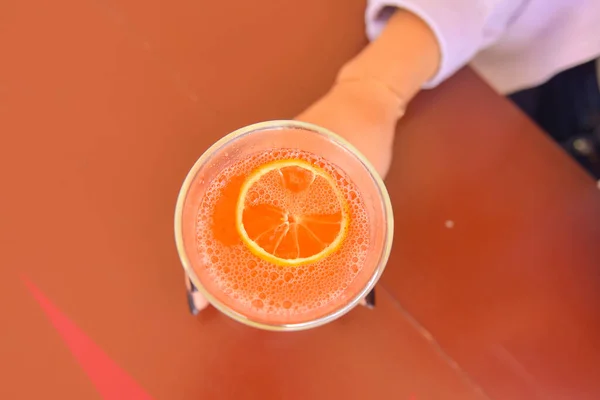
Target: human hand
column 365, row 113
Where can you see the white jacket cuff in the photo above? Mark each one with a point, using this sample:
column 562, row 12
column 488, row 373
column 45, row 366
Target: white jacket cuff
column 458, row 28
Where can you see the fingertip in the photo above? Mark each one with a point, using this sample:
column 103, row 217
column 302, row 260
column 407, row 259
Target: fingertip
column 196, row 302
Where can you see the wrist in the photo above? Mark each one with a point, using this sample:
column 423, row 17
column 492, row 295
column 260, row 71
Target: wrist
column 403, row 58
column 372, row 94
column 378, row 89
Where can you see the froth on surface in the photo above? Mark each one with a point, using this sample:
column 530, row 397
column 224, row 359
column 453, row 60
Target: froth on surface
column 257, row 288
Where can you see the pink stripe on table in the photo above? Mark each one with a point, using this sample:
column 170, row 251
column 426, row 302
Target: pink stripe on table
column 111, row 381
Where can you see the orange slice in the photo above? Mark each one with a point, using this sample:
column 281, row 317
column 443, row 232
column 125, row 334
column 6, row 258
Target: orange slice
column 290, row 212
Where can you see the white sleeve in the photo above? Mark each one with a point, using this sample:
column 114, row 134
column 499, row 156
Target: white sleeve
column 462, row 27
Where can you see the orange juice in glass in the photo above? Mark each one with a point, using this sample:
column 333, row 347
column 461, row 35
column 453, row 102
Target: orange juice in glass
column 283, row 225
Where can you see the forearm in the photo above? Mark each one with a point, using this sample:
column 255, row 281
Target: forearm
column 400, row 60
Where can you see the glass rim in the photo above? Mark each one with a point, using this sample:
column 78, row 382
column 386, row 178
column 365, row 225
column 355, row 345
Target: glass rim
column 277, row 125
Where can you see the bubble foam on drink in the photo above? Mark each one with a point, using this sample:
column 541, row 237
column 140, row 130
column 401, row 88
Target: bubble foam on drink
column 251, row 285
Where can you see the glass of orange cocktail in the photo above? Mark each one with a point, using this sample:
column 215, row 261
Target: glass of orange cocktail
column 283, row 225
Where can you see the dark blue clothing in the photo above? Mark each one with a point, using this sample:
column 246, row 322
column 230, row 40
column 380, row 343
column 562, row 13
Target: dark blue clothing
column 567, row 107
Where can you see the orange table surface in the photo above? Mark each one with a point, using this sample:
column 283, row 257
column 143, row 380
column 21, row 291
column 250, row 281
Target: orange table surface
column 105, row 105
